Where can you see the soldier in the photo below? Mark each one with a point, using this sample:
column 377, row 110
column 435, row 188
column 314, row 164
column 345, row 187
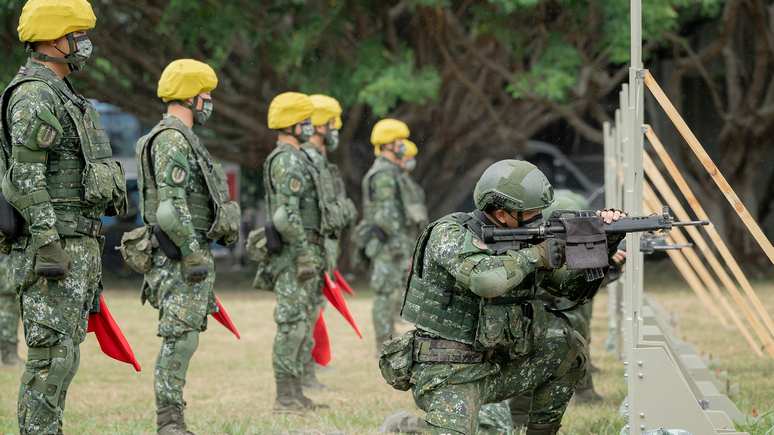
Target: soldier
column 414, row 196
column 384, row 215
column 9, row 318
column 61, row 181
column 296, row 213
column 326, row 121
column 185, row 204
column 481, row 336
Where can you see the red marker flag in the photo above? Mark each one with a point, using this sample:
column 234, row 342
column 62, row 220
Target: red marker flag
column 224, row 319
column 111, row 339
column 344, row 285
column 337, row 300
column 322, row 345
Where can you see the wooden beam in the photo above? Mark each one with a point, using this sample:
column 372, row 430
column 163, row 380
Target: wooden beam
column 709, row 165
column 676, row 236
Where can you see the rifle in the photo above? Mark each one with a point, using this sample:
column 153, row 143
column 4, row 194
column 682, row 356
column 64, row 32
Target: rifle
column 584, row 234
column 651, row 242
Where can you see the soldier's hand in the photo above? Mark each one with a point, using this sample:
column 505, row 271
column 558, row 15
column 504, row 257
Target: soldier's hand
column 52, row 262
column 550, row 254
column 305, row 269
column 196, row 269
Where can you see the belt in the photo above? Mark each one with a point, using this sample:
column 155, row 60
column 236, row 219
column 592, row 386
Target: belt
column 314, row 237
column 69, row 224
column 439, row 350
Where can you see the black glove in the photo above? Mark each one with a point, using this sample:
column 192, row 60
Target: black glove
column 380, row 234
column 550, row 254
column 52, row 262
column 196, row 269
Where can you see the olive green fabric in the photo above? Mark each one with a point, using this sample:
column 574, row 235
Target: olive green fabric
column 513, row 185
column 9, row 307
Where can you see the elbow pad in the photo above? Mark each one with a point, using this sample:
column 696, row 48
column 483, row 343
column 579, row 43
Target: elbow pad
column 282, row 222
column 488, row 283
column 172, row 224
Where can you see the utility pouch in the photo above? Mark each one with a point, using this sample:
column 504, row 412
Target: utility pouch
column 166, row 244
column 11, row 220
column 397, row 359
column 513, row 328
column 256, row 245
column 225, row 227
column 361, row 234
column 273, row 238
column 586, row 246
column 263, row 277
column 136, row 249
column 105, row 184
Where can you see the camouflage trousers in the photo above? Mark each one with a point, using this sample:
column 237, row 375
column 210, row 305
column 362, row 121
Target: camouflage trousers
column 55, row 318
column 453, row 394
column 9, row 306
column 297, row 309
column 388, row 280
column 183, row 309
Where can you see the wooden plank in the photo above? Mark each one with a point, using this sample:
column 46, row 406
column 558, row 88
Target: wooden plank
column 681, row 214
column 675, row 236
column 709, row 165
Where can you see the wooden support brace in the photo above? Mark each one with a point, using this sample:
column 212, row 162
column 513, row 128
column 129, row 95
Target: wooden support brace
column 716, row 239
column 694, row 260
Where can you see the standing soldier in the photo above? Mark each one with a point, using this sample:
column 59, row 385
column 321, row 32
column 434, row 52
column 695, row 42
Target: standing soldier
column 9, row 318
column 413, row 196
column 186, row 205
column 340, row 209
column 296, row 217
column 61, row 181
column 482, row 336
column 384, row 216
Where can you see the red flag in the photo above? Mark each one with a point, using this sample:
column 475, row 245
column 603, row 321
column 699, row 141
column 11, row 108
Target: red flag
column 111, row 339
column 224, row 319
column 337, row 300
column 342, row 283
column 322, row 346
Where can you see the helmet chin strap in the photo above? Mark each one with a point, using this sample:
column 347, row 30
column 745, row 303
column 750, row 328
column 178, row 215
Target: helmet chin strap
column 69, row 59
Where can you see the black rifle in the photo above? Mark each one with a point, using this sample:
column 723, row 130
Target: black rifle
column 584, row 234
column 651, row 242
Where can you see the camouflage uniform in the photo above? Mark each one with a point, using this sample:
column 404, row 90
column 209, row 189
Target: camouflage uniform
column 9, row 307
column 499, row 347
column 168, row 154
column 384, row 208
column 290, row 185
column 61, row 200
column 414, row 197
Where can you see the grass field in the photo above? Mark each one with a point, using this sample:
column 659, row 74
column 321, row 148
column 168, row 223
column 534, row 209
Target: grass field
column 230, row 386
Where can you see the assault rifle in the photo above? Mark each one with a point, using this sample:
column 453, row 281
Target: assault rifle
column 585, row 235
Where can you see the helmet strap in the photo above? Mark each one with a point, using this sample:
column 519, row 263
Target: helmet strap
column 68, row 58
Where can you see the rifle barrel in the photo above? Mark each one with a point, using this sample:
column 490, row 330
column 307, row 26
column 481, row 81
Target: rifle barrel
column 690, row 223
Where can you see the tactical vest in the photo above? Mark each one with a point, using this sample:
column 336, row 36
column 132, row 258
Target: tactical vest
column 413, row 201
column 451, row 312
column 333, row 219
column 309, row 205
column 91, row 179
column 370, row 206
column 201, row 207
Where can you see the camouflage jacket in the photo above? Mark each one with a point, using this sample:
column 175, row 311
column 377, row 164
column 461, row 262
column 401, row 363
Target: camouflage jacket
column 29, row 115
column 345, row 205
column 289, row 185
column 174, row 165
column 382, row 202
column 416, row 210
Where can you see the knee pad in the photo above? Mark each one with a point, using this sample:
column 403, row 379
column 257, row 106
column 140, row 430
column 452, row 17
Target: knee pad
column 573, row 366
column 64, row 358
column 183, row 350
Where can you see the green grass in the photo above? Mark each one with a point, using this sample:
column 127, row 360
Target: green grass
column 230, row 386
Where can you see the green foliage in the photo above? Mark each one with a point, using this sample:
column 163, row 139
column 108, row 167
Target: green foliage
column 553, row 75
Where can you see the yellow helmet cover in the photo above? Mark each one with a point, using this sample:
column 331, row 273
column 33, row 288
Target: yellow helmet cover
column 288, row 109
column 186, row 78
column 47, row 20
column 325, row 109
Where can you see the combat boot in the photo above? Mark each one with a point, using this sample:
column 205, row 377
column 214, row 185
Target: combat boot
column 543, row 428
column 286, row 402
column 298, row 394
column 170, row 420
column 10, row 357
column 309, row 380
column 401, row 421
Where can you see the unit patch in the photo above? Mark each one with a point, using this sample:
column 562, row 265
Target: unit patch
column 46, row 135
column 294, row 184
column 178, row 174
column 478, row 243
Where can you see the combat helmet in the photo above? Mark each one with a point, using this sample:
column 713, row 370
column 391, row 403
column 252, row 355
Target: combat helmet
column 513, row 185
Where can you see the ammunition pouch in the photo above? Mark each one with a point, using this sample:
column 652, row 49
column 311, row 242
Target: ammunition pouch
column 256, row 246
column 136, row 248
column 105, row 184
column 225, row 227
column 171, row 250
column 512, row 328
column 273, row 238
column 397, row 359
column 263, row 277
column 586, row 243
column 438, row 350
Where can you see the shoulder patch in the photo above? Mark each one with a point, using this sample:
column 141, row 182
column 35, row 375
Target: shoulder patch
column 178, row 174
column 294, row 184
column 478, row 243
column 46, row 135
